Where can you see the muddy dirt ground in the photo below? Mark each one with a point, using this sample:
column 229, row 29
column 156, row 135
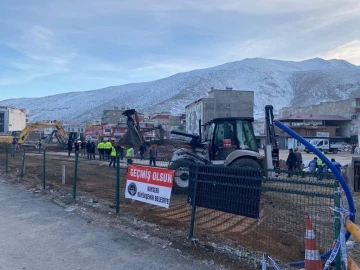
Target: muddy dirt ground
column 218, row 232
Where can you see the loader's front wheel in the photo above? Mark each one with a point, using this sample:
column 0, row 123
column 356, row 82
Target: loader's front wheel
column 182, row 172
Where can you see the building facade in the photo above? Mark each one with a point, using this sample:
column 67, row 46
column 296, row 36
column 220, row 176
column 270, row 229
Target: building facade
column 113, row 116
column 12, row 119
column 311, row 126
column 349, row 108
column 219, row 103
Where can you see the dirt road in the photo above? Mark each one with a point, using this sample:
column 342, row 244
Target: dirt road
column 37, row 234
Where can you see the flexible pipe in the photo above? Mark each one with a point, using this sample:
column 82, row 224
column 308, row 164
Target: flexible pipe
column 334, row 170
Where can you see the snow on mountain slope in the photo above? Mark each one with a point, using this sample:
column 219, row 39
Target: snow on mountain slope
column 281, row 83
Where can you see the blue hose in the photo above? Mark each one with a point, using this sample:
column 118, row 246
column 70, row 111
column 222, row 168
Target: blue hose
column 335, row 171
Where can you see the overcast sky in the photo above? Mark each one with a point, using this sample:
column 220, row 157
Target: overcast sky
column 49, row 47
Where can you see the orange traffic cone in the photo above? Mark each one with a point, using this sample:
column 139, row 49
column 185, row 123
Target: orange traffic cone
column 312, row 255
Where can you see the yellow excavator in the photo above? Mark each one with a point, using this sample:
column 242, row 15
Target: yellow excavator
column 21, row 136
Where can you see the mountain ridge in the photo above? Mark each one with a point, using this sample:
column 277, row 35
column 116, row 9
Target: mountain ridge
column 277, row 82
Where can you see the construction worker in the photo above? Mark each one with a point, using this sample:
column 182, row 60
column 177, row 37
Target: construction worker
column 83, row 148
column 69, row 146
column 93, row 149
column 153, row 155
column 14, row 146
column 142, row 151
column 299, row 160
column 108, row 146
column 112, row 156
column 101, row 148
column 39, row 145
column 320, row 168
column 130, row 155
column 89, row 150
column 120, row 151
column 336, row 164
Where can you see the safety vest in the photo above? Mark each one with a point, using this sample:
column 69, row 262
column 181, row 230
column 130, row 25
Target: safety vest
column 319, row 162
column 129, row 153
column 108, row 145
column 101, row 145
column 113, row 151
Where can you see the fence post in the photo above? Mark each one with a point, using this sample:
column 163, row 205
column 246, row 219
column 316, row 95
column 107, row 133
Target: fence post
column 75, row 175
column 23, row 165
column 6, row 160
column 337, row 224
column 117, row 184
column 63, row 175
column 44, row 169
column 193, row 201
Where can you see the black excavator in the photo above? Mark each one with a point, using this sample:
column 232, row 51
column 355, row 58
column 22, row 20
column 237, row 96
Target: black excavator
column 134, row 135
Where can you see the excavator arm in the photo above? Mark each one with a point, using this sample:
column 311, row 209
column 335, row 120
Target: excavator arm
column 134, row 135
column 26, row 131
column 271, row 146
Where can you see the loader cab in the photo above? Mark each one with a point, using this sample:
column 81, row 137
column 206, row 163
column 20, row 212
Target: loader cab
column 225, row 135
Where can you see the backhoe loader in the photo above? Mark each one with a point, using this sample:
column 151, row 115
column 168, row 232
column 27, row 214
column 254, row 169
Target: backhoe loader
column 228, row 141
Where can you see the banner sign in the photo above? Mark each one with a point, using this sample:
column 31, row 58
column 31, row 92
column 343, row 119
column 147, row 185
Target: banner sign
column 149, row 185
column 322, row 134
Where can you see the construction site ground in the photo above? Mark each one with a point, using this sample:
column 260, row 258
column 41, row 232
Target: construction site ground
column 96, row 200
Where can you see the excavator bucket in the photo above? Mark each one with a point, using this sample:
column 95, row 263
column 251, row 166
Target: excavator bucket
column 131, row 138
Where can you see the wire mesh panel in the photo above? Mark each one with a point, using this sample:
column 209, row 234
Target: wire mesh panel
column 243, row 208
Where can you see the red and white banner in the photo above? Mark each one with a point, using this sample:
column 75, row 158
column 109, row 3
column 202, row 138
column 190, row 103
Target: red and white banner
column 149, row 185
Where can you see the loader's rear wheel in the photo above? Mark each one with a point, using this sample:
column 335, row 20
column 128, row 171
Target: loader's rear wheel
column 255, row 168
column 181, row 168
column 245, row 163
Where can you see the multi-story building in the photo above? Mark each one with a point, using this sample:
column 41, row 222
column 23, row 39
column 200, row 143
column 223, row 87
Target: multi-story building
column 167, row 121
column 219, row 103
column 349, row 108
column 12, row 119
column 311, row 126
column 112, row 116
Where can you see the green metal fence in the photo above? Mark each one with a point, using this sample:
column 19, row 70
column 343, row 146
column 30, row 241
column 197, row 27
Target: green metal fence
column 246, row 211
column 259, row 214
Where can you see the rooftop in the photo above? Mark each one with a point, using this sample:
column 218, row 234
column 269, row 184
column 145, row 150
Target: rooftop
column 311, row 116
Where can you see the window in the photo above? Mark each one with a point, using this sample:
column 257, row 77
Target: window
column 309, row 133
column 354, row 117
column 245, row 135
column 224, row 131
column 358, row 103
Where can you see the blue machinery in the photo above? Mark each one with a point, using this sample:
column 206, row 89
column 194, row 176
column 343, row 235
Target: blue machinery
column 334, row 171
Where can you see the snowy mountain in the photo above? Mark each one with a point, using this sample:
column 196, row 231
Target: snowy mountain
column 280, row 83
